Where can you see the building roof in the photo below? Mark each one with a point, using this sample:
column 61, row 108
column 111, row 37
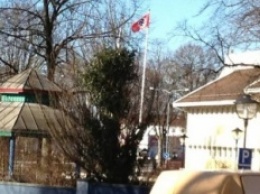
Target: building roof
column 30, row 119
column 222, row 91
column 28, row 80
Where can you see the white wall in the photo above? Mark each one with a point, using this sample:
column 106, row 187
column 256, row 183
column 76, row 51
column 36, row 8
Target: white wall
column 210, row 139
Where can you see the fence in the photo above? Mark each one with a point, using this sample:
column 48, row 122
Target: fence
column 81, row 188
column 99, row 188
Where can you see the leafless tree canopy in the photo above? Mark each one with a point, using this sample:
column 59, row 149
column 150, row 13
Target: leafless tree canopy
column 50, row 33
column 227, row 26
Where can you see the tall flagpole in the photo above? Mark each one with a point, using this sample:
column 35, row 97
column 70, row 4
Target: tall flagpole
column 143, row 77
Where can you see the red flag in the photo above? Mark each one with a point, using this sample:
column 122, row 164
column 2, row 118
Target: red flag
column 141, row 23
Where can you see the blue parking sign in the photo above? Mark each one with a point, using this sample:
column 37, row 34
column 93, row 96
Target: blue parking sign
column 245, row 158
column 166, row 155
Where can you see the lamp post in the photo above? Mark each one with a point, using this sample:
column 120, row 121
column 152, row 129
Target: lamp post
column 236, row 133
column 246, row 109
column 169, row 93
column 183, row 138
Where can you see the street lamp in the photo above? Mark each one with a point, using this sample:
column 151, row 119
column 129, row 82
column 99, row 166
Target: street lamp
column 246, row 109
column 236, row 133
column 169, row 93
column 183, row 138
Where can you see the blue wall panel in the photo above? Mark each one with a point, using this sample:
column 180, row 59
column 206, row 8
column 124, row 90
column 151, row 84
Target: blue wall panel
column 82, row 188
column 13, row 188
column 100, row 188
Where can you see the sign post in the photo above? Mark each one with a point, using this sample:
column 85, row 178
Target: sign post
column 245, row 158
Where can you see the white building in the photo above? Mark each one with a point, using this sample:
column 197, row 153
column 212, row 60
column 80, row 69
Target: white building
column 211, row 117
column 149, row 142
column 151, row 131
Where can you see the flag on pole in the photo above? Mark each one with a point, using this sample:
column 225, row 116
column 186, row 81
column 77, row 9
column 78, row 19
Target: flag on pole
column 141, row 23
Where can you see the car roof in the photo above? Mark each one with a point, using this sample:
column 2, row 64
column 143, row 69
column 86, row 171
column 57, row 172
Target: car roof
column 201, row 182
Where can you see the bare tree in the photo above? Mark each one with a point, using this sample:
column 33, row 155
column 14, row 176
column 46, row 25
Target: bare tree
column 195, row 66
column 231, row 25
column 169, row 74
column 53, row 31
column 159, row 99
column 239, row 18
